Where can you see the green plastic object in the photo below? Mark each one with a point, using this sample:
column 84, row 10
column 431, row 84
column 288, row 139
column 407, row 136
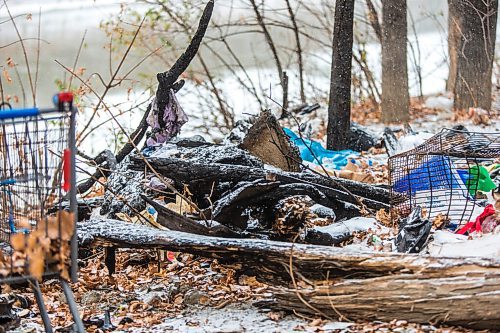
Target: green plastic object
column 483, row 184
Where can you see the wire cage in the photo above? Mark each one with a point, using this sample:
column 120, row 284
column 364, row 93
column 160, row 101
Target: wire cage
column 443, row 175
column 37, row 174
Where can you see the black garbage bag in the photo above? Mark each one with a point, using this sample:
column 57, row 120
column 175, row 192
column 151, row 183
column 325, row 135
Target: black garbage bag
column 362, row 139
column 413, row 232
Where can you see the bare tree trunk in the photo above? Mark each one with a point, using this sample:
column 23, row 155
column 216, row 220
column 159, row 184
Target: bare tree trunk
column 472, row 35
column 453, row 42
column 395, row 97
column 339, row 106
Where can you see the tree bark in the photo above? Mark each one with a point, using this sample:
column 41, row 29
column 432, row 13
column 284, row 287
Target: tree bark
column 472, row 35
column 395, row 96
column 453, row 298
column 453, row 44
column 314, row 262
column 360, row 285
column 339, row 106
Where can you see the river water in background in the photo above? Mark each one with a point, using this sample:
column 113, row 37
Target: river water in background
column 63, row 24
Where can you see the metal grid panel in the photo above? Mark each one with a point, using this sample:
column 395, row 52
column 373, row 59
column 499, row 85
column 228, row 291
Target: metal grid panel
column 32, row 174
column 442, row 174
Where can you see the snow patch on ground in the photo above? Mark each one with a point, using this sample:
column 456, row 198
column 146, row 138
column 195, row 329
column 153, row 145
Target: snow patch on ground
column 411, row 141
column 439, row 102
column 237, row 318
column 356, row 224
column 447, row 244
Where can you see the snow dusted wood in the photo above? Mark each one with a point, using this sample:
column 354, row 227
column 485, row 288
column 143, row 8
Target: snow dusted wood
column 468, row 296
column 229, row 209
column 382, row 286
column 178, row 222
column 312, row 261
column 200, row 177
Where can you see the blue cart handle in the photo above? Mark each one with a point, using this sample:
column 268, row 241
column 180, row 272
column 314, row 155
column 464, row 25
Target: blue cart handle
column 18, row 113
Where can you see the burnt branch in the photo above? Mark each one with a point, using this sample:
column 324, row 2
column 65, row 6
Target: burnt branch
column 136, row 137
column 167, row 79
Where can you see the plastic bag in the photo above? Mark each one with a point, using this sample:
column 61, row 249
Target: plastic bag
column 413, row 232
column 312, row 151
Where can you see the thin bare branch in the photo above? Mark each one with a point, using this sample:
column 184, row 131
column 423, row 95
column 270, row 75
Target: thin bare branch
column 25, row 53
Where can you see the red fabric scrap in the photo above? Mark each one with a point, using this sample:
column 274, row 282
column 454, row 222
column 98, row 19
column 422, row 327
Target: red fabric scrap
column 476, row 225
column 66, row 170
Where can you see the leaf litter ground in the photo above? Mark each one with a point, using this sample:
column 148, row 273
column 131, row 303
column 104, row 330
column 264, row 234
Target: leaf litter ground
column 188, row 294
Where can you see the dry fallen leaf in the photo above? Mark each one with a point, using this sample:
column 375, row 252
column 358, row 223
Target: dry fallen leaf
column 271, row 177
column 49, row 227
column 275, row 315
column 125, row 217
column 180, row 206
column 18, row 241
column 37, row 264
column 24, row 223
column 384, row 217
column 204, row 300
column 10, row 62
column 440, row 221
column 67, row 220
column 7, row 76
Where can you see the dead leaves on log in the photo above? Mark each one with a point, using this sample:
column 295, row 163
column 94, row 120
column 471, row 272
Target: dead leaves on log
column 294, row 215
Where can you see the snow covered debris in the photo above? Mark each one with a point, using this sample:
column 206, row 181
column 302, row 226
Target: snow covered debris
column 447, row 244
column 439, row 103
column 355, row 224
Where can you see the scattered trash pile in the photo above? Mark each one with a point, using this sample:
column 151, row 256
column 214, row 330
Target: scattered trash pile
column 449, row 184
column 250, row 187
column 277, row 206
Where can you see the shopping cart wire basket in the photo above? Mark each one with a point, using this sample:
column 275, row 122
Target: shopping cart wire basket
column 37, row 173
column 443, row 175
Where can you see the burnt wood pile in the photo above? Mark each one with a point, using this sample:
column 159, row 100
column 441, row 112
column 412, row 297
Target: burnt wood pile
column 251, row 204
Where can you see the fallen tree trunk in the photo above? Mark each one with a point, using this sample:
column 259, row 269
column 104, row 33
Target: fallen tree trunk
column 462, row 298
column 200, row 178
column 385, row 286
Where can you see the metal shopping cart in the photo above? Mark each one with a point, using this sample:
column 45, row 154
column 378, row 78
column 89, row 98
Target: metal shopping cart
column 37, row 173
column 443, row 175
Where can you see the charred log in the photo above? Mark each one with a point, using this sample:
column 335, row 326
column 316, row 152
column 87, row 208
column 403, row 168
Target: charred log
column 201, row 177
column 178, row 222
